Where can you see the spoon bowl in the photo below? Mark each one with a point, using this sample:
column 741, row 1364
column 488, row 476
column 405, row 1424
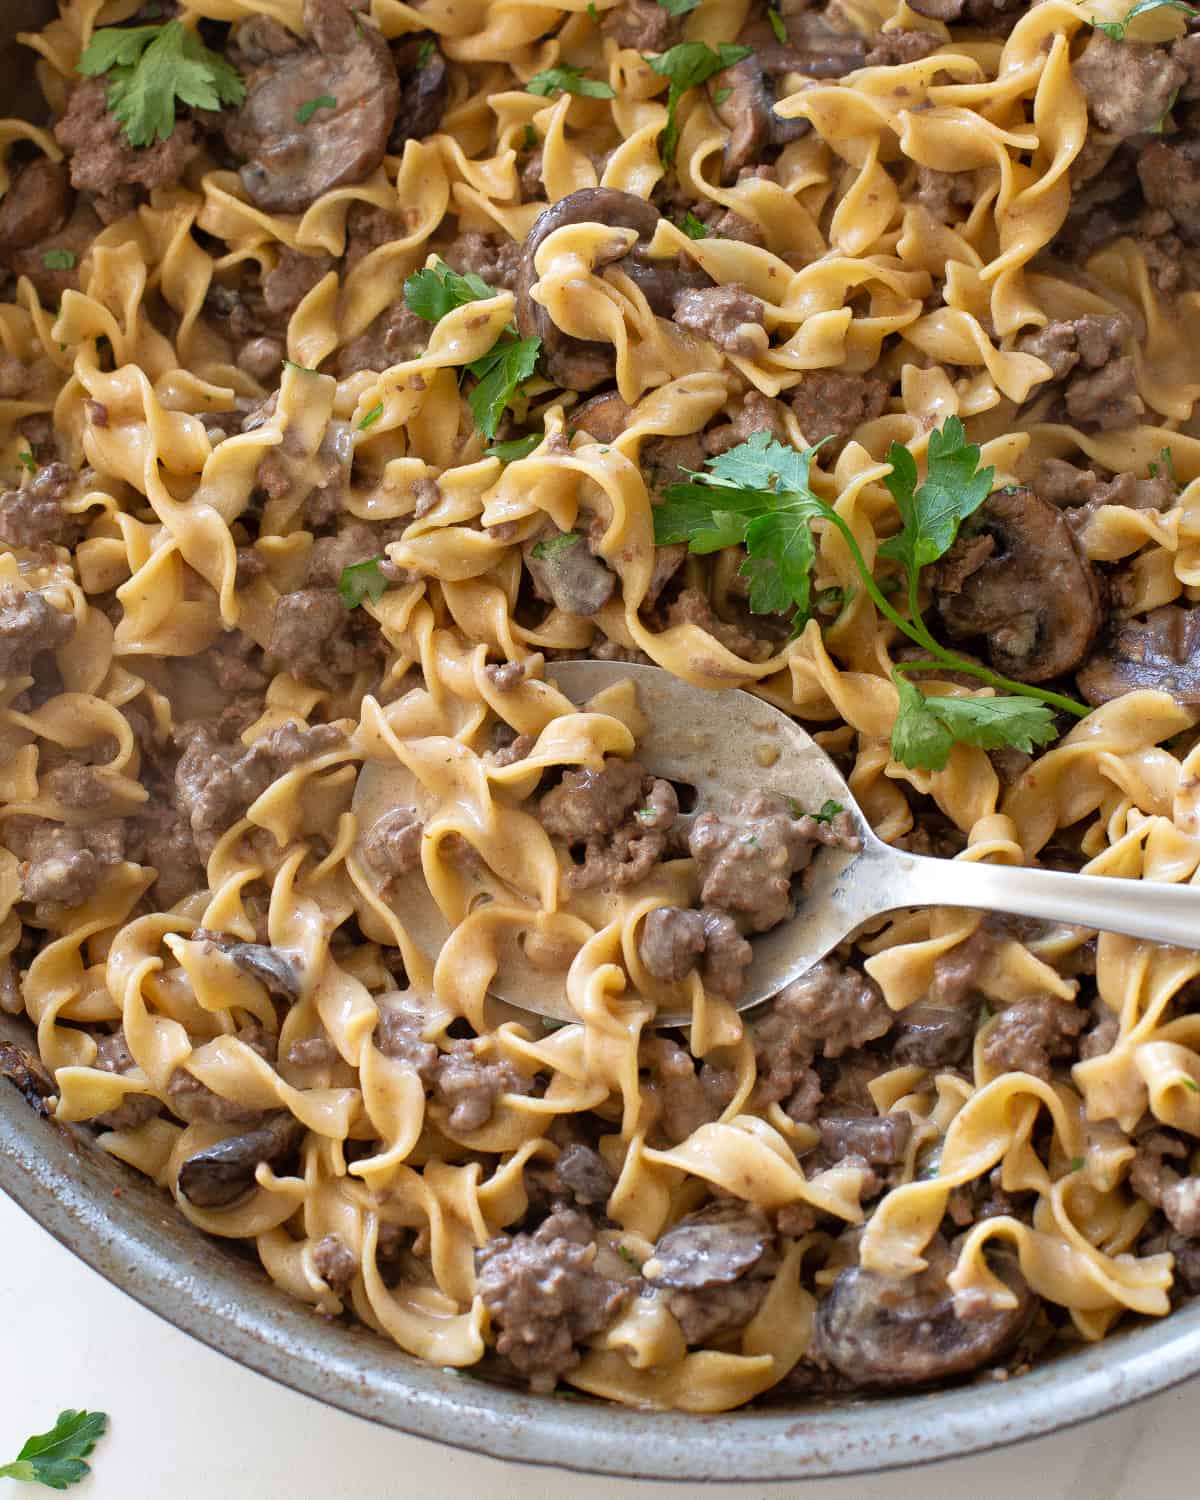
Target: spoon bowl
column 724, row 745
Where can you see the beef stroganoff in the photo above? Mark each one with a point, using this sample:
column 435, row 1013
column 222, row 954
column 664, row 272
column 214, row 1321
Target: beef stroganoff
column 357, row 364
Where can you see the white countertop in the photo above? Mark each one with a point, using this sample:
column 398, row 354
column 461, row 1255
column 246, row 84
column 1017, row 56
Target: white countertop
column 189, row 1424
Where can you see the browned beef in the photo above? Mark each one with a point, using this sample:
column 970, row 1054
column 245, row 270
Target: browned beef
column 216, row 781
column 398, row 1035
column 829, row 403
column 747, row 858
column 103, row 163
column 493, row 258
column 584, row 1175
column 643, row 25
column 892, row 49
column 945, row 194
column 690, row 607
column 290, row 162
column 671, row 942
column 34, row 513
column 544, row 1298
column 396, row 335
column 193, row 1101
column 716, row 1266
column 588, row 804
column 113, row 1056
column 290, row 280
column 1031, row 1034
column 392, row 846
column 566, row 572
column 727, row 316
column 334, row 1261
column 1129, row 87
column 28, row 626
column 468, row 1085
column 62, row 864
column 756, row 414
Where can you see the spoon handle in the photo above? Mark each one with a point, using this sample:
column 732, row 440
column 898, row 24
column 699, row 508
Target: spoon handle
column 1159, row 912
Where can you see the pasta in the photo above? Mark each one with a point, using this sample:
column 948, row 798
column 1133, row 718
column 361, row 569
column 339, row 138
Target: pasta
column 339, row 406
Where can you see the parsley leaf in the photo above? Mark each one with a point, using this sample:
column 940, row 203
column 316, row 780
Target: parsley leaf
column 686, row 67
column 56, row 1458
column 1115, row 30
column 954, row 488
column 1077, row 1164
column 437, row 290
column 758, row 494
column 552, row 545
column 678, row 8
column 926, row 728
column 694, row 228
column 593, row 13
column 27, row 461
column 564, row 79
column 1190, row 1083
column 310, row 106
column 371, row 417
column 499, row 372
column 777, row 26
column 58, row 260
column 425, row 51
column 362, row 581
column 515, row 448
column 149, row 68
column 829, row 810
column 1166, row 463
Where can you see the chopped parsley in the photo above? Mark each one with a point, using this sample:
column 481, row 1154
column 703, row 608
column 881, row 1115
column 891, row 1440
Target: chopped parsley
column 758, row 495
column 678, row 8
column 1166, row 463
column 551, row 546
column 362, row 581
column 593, row 13
column 1190, row 1083
column 515, row 448
column 694, row 228
column 1115, row 30
column 433, row 292
column 529, row 141
column 721, row 95
column 777, row 26
column 150, row 67
column 310, row 106
column 425, row 51
column 437, row 290
column 58, row 260
column 499, row 373
column 564, row 79
column 290, row 364
column 56, row 1458
column 686, row 67
column 624, row 1251
column 828, row 811
column 27, row 461
column 371, row 417
column 1077, row 1164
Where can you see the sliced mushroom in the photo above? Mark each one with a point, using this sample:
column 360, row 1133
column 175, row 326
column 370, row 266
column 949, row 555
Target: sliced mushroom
column 1016, row 576
column 268, row 965
column 36, row 205
column 744, row 96
column 712, row 1247
column 900, row 1331
column 220, row 1174
column 317, row 116
column 424, row 88
column 1161, row 652
column 566, row 572
column 929, row 1035
column 604, row 417
column 27, row 1075
column 581, row 364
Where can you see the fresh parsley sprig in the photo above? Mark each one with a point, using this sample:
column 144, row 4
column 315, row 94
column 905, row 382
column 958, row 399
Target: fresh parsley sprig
column 437, row 290
column 564, row 79
column 758, row 495
column 1116, row 29
column 678, row 8
column 515, row 448
column 686, row 66
column 56, row 1458
column 149, row 67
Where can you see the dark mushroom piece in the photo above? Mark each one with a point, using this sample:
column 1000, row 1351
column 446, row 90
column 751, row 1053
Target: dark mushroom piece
column 220, row 1174
column 36, row 205
column 318, row 114
column 1016, row 576
column 903, row 1330
column 813, row 49
column 1160, row 652
column 581, row 364
column 424, row 89
column 27, row 1075
column 268, row 965
column 713, row 1247
column 604, row 417
column 932, row 1035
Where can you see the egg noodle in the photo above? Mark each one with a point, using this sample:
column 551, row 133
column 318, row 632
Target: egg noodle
column 854, row 274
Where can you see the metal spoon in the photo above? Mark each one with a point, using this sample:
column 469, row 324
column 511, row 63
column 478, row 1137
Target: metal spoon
column 728, row 743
